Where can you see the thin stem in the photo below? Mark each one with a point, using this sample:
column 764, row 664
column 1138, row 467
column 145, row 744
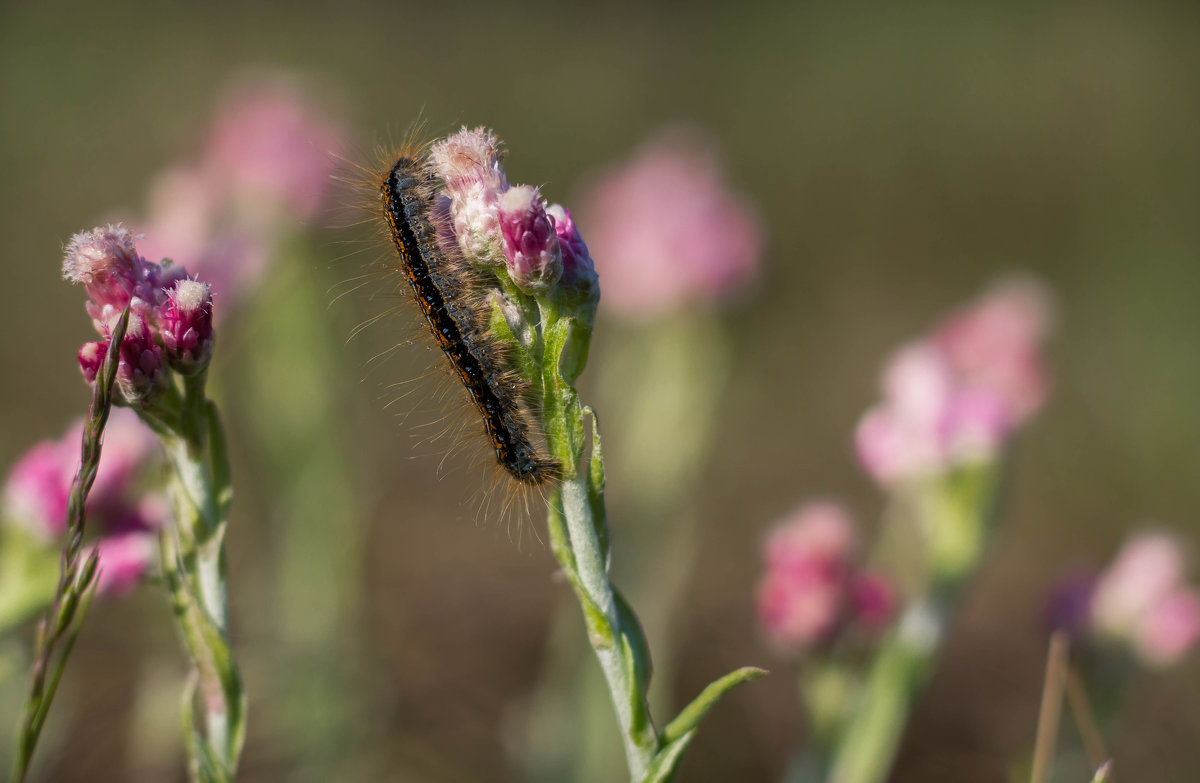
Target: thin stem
column 64, row 618
column 1050, row 712
column 1085, row 719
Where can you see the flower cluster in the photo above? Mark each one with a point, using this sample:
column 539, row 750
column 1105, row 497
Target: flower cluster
column 667, row 229
column 955, row 396
column 497, row 225
column 38, row 489
column 812, row 588
column 170, row 321
column 1141, row 601
column 267, row 163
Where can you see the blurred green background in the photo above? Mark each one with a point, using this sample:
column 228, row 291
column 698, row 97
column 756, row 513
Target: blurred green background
column 902, row 157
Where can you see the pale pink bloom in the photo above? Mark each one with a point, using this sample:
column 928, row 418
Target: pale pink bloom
column 268, row 162
column 273, row 148
column 1149, row 567
column 955, row 397
column 1171, row 628
column 666, row 230
column 994, row 344
column 467, row 158
column 106, row 262
column 530, row 242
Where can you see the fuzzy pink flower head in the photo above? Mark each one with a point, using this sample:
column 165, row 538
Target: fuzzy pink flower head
column 579, row 271
column 124, row 559
column 1171, row 628
column 1149, row 567
column 186, row 323
column 469, row 158
column 666, row 231
column 530, row 242
column 1069, row 604
column 273, row 149
column 995, row 343
column 140, row 373
column 106, row 262
column 801, row 596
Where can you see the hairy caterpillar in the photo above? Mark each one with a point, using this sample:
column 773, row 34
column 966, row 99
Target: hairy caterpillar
column 451, row 294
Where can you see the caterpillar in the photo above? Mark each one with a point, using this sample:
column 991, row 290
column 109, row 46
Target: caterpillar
column 452, row 295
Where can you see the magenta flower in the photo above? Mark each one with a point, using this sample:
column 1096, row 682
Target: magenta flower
column 666, row 231
column 530, row 242
column 37, row 490
column 579, row 271
column 811, row 588
column 187, row 326
column 956, row 396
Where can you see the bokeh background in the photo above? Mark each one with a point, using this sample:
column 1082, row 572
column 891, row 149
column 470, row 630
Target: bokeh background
column 901, row 157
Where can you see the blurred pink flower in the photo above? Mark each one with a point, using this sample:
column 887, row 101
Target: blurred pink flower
column 37, row 490
column 267, row 163
column 1171, row 628
column 810, row 588
column 1140, row 601
column 1148, row 568
column 666, row 230
column 124, row 560
column 955, row 396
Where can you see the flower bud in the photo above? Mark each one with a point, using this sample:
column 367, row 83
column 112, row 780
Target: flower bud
column 530, row 242
column 186, row 322
column 124, row 560
column 579, row 271
column 140, row 372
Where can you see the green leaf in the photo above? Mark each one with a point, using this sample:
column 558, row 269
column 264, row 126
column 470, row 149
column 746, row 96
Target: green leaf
column 678, row 734
column 596, row 485
column 689, row 718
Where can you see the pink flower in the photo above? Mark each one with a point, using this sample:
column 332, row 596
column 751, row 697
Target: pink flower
column 39, row 485
column 811, row 588
column 140, row 372
column 468, row 163
column 956, row 396
column 667, row 232
column 186, row 321
column 1171, row 628
column 530, row 242
column 124, row 560
column 994, row 344
column 1148, row 568
column 273, row 148
column 268, row 162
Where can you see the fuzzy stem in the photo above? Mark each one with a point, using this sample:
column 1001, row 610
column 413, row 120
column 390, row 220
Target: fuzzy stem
column 579, row 537
column 194, row 570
